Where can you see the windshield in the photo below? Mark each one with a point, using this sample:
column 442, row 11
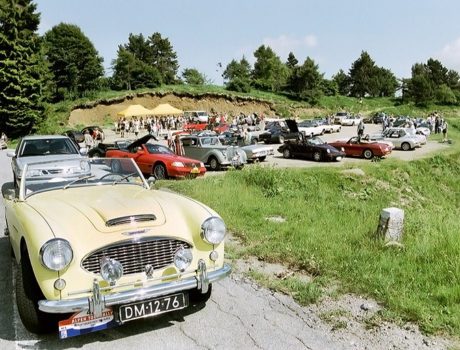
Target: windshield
column 66, row 174
column 210, row 141
column 315, row 141
column 158, row 149
column 47, row 146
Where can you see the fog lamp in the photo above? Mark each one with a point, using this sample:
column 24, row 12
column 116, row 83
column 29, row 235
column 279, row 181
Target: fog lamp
column 111, row 270
column 214, row 255
column 59, row 284
column 183, row 258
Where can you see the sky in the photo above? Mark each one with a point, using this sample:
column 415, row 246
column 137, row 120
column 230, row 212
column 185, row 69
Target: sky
column 203, row 33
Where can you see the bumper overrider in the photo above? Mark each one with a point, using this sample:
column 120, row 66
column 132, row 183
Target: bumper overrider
column 97, row 302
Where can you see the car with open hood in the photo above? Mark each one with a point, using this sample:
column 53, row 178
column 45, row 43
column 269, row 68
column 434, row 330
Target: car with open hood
column 311, row 148
column 358, row 147
column 280, row 131
column 101, row 246
column 158, row 160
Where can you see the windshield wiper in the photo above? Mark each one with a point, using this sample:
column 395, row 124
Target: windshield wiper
column 123, row 178
column 86, row 177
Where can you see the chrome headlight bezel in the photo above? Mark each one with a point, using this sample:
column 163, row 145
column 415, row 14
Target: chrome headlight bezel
column 56, row 254
column 183, row 258
column 213, row 230
column 111, row 270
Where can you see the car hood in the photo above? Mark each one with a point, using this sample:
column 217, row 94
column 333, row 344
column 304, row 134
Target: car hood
column 292, row 125
column 141, row 141
column 85, row 209
column 21, row 161
column 330, row 147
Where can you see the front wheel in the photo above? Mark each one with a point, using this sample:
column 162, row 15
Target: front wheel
column 287, row 153
column 159, row 171
column 261, row 159
column 405, row 146
column 214, row 164
column 317, row 156
column 368, row 154
column 281, row 139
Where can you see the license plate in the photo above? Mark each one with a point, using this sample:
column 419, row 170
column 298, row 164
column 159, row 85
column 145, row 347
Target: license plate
column 152, row 307
column 195, row 170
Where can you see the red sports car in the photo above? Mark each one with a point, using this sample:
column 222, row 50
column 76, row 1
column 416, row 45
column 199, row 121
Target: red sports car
column 158, row 160
column 361, row 148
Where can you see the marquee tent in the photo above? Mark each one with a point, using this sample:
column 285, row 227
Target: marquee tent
column 165, row 109
column 135, row 111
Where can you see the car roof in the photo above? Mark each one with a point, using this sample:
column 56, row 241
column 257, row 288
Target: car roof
column 40, row 137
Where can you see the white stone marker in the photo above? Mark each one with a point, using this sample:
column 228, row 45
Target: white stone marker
column 391, row 224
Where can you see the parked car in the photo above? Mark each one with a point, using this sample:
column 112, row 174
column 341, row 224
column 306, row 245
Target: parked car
column 101, row 148
column 339, row 116
column 423, row 128
column 377, row 118
column 310, row 128
column 215, row 155
column 158, row 160
column 77, row 137
column 328, row 127
column 354, row 147
column 311, row 148
column 39, row 148
column 92, row 129
column 278, row 132
column 418, row 135
column 105, row 248
column 398, row 136
column 199, row 116
column 350, row 120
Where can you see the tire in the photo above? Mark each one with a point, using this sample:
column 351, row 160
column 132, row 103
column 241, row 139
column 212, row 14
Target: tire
column 406, row 146
column 96, row 154
column 280, row 139
column 261, row 159
column 197, row 298
column 214, row 164
column 27, row 295
column 160, row 172
column 339, row 129
column 115, row 166
column 287, row 153
column 317, row 156
column 368, row 154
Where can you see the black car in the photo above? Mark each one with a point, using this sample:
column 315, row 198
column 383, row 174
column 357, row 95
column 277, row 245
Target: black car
column 310, row 148
column 278, row 132
column 375, row 119
column 76, row 136
column 101, row 148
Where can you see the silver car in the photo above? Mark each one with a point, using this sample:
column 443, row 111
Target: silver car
column 41, row 148
column 400, row 138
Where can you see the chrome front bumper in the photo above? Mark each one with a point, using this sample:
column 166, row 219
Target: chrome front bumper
column 97, row 302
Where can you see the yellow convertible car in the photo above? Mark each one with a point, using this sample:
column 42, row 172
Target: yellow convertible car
column 97, row 246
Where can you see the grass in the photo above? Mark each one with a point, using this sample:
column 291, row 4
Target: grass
column 331, row 219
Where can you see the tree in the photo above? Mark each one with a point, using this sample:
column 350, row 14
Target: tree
column 164, row 58
column 238, row 75
column 291, row 62
column 306, row 82
column 21, row 68
column 360, row 74
column 269, row 72
column 384, row 83
column 193, row 77
column 74, row 62
column 343, row 82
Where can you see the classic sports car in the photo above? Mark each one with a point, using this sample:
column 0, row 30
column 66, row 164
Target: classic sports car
column 350, row 120
column 361, row 148
column 102, row 147
column 158, row 160
column 311, row 148
column 208, row 149
column 104, row 248
column 398, row 136
column 42, row 148
column 254, row 152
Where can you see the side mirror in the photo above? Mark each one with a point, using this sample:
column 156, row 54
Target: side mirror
column 11, row 154
column 84, row 151
column 151, row 181
column 10, row 194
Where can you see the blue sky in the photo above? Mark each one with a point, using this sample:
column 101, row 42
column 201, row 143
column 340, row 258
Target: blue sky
column 396, row 33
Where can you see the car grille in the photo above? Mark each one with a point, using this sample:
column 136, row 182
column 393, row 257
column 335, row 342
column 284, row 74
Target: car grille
column 129, row 219
column 134, row 256
column 191, row 165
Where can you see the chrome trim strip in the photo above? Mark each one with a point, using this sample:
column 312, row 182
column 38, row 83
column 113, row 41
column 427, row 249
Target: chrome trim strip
column 139, row 294
column 130, row 219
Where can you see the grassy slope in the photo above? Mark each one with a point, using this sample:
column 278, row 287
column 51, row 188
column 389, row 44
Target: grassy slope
column 331, row 219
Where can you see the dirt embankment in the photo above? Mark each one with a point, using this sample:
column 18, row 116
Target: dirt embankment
column 105, row 111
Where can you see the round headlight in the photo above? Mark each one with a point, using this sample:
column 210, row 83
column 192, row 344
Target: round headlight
column 183, row 258
column 213, row 230
column 56, row 254
column 111, row 270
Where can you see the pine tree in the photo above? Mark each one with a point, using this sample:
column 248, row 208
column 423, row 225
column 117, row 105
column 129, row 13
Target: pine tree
column 21, row 68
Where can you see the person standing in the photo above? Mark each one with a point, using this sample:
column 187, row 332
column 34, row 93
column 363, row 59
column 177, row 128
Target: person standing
column 360, row 129
column 444, row 131
column 136, row 127
column 89, row 142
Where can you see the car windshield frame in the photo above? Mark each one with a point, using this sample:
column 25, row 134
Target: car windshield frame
column 62, row 175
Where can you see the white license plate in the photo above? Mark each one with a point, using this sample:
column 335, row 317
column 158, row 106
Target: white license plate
column 152, row 307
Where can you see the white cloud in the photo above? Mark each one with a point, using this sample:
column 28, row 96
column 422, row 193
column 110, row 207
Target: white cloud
column 284, row 44
column 450, row 55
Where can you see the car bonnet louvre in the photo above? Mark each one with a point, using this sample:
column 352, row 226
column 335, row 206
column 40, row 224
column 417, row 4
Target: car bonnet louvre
column 122, row 220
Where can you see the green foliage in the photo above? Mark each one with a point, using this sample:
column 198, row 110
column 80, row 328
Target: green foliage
column 269, row 72
column 342, row 81
column 193, row 77
column 238, row 75
column 21, row 69
column 306, row 81
column 73, row 60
